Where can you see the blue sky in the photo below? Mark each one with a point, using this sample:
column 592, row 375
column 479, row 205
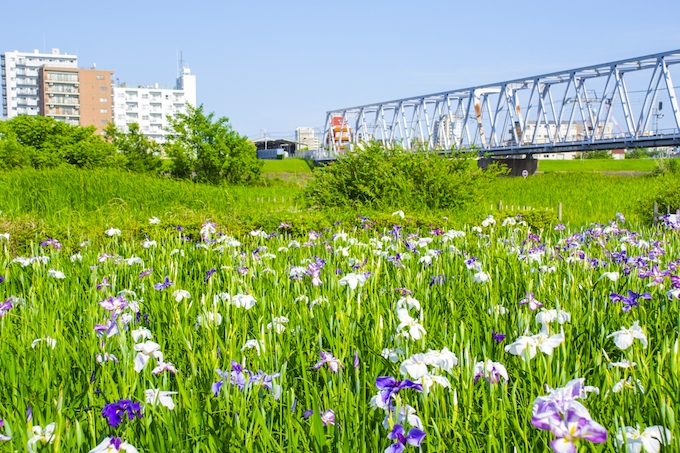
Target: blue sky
column 276, row 66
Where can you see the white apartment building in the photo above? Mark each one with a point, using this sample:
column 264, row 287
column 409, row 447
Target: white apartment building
column 20, row 79
column 150, row 106
column 305, row 137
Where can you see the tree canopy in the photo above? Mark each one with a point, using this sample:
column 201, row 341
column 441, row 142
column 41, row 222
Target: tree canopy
column 209, row 150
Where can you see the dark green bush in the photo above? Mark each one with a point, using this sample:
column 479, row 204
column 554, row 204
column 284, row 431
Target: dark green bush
column 380, row 178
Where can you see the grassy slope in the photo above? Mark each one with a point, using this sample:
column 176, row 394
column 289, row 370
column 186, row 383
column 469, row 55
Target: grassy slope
column 637, row 165
column 287, row 166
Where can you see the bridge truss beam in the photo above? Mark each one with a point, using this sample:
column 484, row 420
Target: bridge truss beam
column 606, row 106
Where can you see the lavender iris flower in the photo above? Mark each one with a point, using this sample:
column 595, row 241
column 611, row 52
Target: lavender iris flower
column 333, row 363
column 630, row 301
column 163, row 285
column 327, row 416
column 145, row 273
column 209, row 274
column 114, row 412
column 414, row 437
column 5, row 307
column 390, row 387
column 356, row 360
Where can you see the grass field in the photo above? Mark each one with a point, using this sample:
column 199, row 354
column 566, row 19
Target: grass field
column 263, row 343
column 605, row 165
column 69, row 203
column 185, row 317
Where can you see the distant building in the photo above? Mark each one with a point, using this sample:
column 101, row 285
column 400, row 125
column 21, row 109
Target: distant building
column 305, row 137
column 20, row 79
column 149, row 106
column 576, row 132
column 76, row 96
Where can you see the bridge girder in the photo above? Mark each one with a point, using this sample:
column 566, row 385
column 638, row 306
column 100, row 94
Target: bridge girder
column 573, row 110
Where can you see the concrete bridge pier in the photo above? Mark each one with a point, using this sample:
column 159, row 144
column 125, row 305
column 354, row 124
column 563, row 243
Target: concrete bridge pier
column 516, row 165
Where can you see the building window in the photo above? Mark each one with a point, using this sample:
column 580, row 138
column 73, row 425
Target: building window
column 104, row 121
column 102, row 88
column 103, row 100
column 103, row 110
column 100, row 77
column 145, row 96
column 145, row 117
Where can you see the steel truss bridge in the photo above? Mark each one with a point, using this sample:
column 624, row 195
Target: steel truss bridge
column 623, row 104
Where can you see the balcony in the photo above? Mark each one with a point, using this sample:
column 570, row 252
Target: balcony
column 63, row 101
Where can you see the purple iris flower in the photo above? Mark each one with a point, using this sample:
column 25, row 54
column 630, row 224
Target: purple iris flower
column 104, row 284
column 333, row 363
column 629, row 301
column 284, row 225
column 572, row 427
column 2, row 279
column 356, row 360
column 5, row 307
column 163, row 285
column 437, row 279
column 114, row 412
column 414, row 437
column 51, row 242
column 497, row 337
column 396, row 260
column 145, row 273
column 209, row 274
column 327, row 416
column 404, row 291
column 389, row 386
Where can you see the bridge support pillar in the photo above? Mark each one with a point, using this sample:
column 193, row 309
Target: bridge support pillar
column 515, row 165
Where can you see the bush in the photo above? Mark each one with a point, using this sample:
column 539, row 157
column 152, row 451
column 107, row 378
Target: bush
column 666, row 167
column 209, row 150
column 380, row 178
column 666, row 195
column 602, row 154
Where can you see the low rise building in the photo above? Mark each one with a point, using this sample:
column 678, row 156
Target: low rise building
column 20, row 79
column 150, row 105
column 76, row 96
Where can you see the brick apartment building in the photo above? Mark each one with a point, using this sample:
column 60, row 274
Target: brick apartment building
column 76, row 96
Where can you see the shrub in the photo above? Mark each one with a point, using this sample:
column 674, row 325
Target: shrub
column 381, row 178
column 666, row 195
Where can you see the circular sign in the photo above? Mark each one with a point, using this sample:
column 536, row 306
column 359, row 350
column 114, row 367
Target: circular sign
column 525, row 173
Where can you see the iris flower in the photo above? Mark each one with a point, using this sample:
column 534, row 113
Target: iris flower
column 114, row 412
column 650, row 439
column 327, row 416
column 414, row 437
column 530, row 300
column 155, row 397
column 41, row 436
column 531, row 344
column 624, row 338
column 333, row 363
column 146, row 350
column 163, row 285
column 353, row 280
column 113, row 445
column 572, row 428
column 2, row 436
column 408, row 326
column 491, row 371
column 390, row 387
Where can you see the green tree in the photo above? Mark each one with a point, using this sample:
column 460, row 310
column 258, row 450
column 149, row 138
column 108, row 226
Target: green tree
column 12, row 153
column 209, row 150
column 141, row 154
column 600, row 154
column 638, row 153
column 50, row 143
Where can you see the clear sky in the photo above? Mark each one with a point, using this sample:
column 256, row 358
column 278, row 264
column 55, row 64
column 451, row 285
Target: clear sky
column 278, row 65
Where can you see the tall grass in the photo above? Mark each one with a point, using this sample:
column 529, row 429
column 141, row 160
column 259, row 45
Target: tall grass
column 66, row 385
